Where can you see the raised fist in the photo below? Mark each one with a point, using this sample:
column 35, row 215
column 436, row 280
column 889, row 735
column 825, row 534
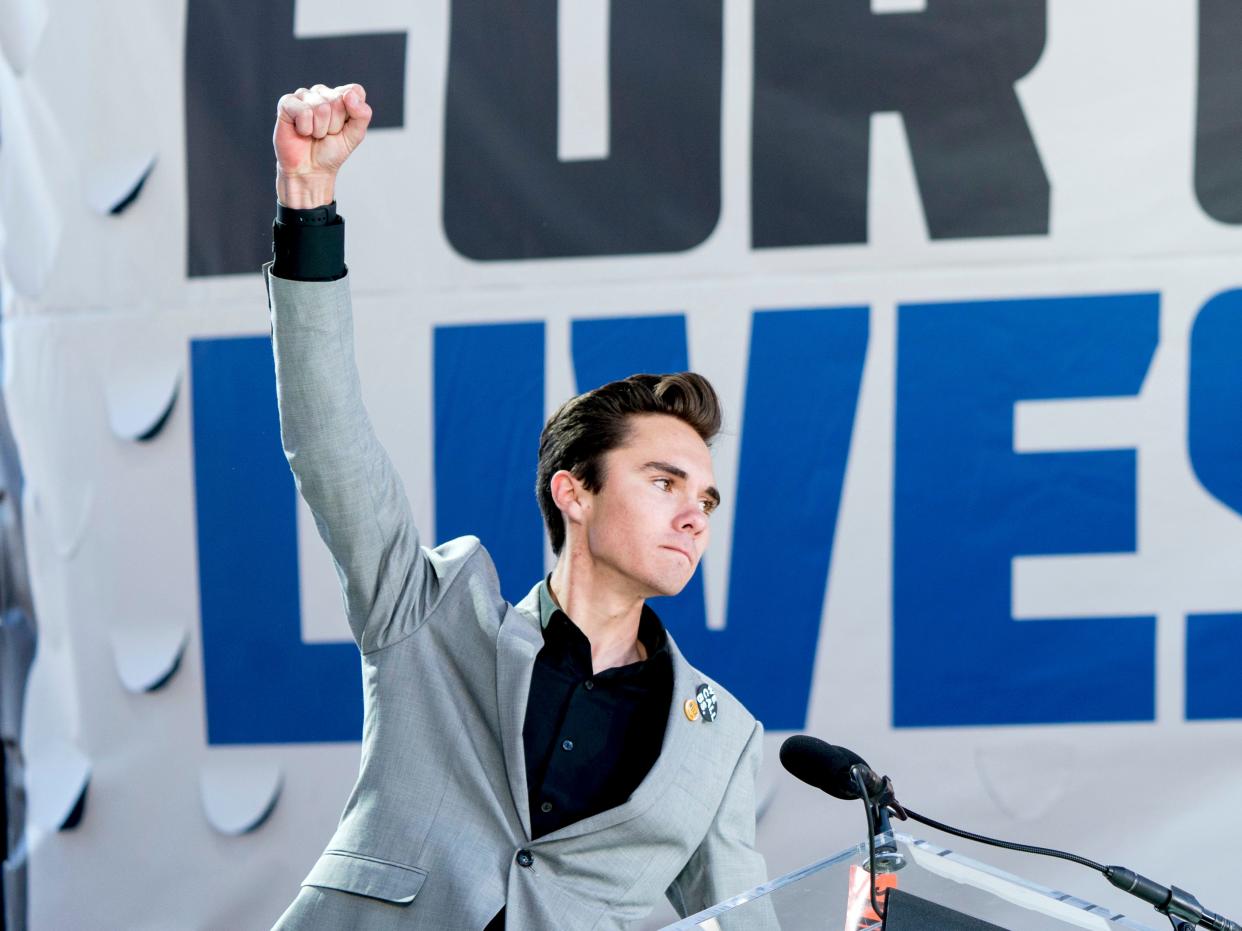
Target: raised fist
column 316, row 129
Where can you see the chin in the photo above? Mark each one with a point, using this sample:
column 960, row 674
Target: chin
column 666, row 591
column 667, row 587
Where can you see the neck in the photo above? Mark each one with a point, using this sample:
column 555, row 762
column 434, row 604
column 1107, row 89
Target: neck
column 607, row 612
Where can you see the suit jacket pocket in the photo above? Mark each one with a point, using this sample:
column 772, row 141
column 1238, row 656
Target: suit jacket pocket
column 369, row 876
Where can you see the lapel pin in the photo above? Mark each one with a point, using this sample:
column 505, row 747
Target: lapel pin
column 705, row 700
column 691, row 708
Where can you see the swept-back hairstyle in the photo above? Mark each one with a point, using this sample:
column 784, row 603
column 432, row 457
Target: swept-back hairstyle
column 584, row 429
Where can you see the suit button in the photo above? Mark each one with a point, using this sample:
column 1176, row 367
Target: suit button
column 588, row 685
column 567, row 744
column 525, row 858
column 545, row 807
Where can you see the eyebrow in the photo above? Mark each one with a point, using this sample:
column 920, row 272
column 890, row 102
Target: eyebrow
column 671, row 469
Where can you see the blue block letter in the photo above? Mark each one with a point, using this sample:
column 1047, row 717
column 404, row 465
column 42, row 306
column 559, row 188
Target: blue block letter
column 488, row 414
column 262, row 683
column 1214, row 441
column 965, row 504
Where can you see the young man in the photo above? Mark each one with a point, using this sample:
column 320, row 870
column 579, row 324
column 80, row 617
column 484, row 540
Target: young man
column 554, row 764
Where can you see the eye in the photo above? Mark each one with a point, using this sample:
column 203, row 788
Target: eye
column 664, row 484
column 708, row 505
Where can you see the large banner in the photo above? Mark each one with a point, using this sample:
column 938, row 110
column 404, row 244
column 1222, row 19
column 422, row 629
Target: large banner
column 964, row 274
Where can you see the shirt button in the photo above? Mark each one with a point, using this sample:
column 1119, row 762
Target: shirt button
column 525, row 858
column 567, row 744
column 588, row 684
column 545, row 808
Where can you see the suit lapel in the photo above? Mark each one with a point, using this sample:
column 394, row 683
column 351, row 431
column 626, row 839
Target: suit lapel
column 518, row 643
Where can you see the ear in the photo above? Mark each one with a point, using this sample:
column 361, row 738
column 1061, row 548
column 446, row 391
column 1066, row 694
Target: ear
column 570, row 495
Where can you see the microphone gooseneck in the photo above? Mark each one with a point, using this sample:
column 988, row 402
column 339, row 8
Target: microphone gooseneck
column 1005, row 844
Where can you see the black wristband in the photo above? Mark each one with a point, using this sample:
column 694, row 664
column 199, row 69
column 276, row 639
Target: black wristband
column 313, row 216
column 308, row 245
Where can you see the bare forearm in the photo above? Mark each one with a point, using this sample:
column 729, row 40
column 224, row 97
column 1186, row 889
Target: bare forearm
column 305, row 192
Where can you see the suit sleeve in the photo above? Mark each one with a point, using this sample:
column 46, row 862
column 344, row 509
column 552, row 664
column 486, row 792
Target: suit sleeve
column 726, row 862
column 341, row 470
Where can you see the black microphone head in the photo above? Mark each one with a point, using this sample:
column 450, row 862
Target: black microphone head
column 821, row 765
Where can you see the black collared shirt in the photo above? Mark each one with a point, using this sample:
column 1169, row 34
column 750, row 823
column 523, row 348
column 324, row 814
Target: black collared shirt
column 591, row 738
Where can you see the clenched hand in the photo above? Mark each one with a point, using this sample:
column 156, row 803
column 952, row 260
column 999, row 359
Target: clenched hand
column 316, row 130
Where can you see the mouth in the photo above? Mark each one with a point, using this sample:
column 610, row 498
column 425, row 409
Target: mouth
column 677, row 549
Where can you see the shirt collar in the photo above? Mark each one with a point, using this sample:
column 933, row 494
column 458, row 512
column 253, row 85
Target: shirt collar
column 650, row 628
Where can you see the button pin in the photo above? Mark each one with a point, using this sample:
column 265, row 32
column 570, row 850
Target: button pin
column 705, row 698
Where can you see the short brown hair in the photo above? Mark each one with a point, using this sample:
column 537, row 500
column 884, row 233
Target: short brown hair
column 584, row 429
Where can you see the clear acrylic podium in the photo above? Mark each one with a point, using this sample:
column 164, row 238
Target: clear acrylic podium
column 962, row 893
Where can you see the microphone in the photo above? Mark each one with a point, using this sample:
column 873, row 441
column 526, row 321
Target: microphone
column 832, row 769
column 1177, row 903
column 841, row 773
column 835, row 769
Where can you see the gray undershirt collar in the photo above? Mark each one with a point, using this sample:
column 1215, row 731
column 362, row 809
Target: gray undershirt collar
column 547, row 607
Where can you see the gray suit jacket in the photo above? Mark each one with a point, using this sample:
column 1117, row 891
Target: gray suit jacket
column 431, row 831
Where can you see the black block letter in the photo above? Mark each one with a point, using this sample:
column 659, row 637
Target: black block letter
column 239, row 58
column 821, row 70
column 1218, row 127
column 507, row 194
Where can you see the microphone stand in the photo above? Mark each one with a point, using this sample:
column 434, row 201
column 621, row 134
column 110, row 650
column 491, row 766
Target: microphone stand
column 885, row 858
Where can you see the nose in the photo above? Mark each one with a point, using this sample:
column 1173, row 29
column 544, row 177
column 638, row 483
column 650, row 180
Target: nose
column 693, row 520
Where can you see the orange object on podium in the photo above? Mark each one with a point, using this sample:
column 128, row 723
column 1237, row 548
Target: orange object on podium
column 858, row 911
